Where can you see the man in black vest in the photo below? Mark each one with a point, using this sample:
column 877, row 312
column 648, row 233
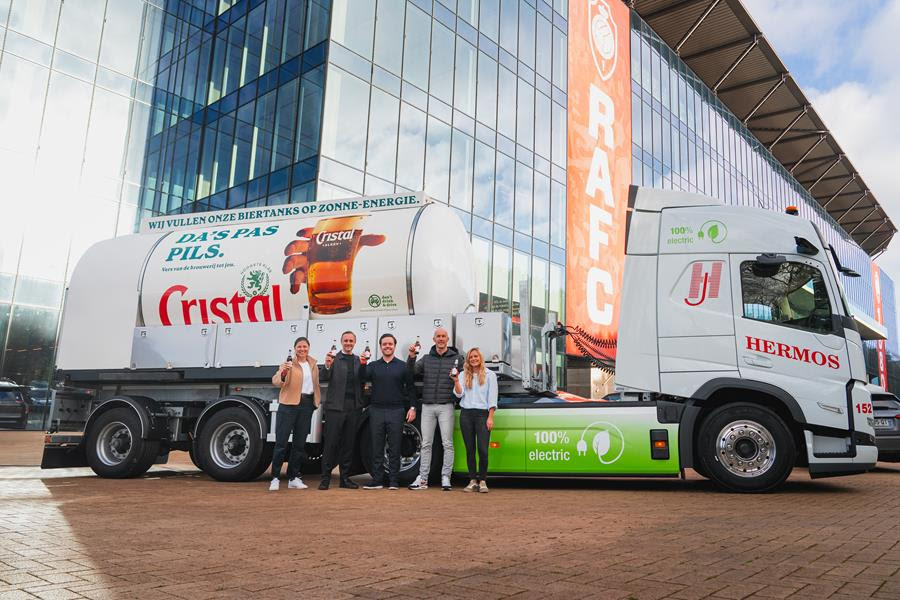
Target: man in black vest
column 343, row 405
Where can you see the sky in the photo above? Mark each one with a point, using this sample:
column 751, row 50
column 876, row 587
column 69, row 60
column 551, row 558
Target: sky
column 845, row 56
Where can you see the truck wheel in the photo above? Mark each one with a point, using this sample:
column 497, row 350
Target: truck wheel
column 229, row 446
column 745, row 448
column 265, row 460
column 193, row 454
column 410, row 452
column 114, row 447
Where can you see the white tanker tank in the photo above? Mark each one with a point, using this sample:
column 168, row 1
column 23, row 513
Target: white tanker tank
column 364, row 257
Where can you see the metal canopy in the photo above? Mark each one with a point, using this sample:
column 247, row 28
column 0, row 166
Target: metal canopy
column 720, row 42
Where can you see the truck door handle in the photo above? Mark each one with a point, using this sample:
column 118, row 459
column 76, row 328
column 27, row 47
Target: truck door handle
column 758, row 361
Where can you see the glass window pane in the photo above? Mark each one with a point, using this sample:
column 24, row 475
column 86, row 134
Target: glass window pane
column 468, row 10
column 558, row 149
column 542, row 120
column 542, row 207
column 353, row 25
column 524, row 197
column 106, row 134
column 389, row 34
column 31, row 344
column 509, row 25
column 557, row 291
column 309, row 111
column 525, row 115
column 526, row 34
column 464, row 97
column 273, row 34
column 252, row 65
column 316, row 22
column 506, row 177
column 539, row 290
column 442, row 62
column 383, row 122
column 544, row 61
column 23, row 87
column 417, row 47
column 437, row 160
column 487, row 90
column 285, row 122
column 35, row 19
column 345, row 123
column 558, row 214
column 484, row 181
column 560, row 54
column 65, row 124
column 500, row 280
column 411, row 145
column 489, row 18
column 482, row 252
column 461, row 170
column 506, row 103
column 79, row 27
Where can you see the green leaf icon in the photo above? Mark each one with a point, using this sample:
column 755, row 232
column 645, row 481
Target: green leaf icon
column 713, row 232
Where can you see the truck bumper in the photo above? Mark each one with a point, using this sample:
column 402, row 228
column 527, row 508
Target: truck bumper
column 63, row 451
column 865, row 459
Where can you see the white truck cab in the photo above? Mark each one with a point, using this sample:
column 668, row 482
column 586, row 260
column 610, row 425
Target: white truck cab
column 741, row 312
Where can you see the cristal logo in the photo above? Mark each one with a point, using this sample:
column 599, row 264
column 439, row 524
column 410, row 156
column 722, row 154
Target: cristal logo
column 704, row 284
column 324, row 237
column 604, row 37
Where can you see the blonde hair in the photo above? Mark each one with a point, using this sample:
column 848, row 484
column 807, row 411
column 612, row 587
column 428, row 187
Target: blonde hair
column 468, row 370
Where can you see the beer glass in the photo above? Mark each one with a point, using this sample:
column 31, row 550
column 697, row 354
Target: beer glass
column 332, row 251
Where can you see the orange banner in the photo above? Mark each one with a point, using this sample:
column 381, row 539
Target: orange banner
column 879, row 318
column 599, row 163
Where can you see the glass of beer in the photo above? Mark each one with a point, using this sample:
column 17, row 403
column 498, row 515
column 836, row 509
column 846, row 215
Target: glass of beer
column 332, row 251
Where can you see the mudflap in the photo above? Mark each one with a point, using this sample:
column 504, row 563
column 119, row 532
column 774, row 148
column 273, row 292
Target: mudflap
column 63, row 452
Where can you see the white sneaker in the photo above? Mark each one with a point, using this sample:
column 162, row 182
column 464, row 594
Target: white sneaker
column 419, row 484
column 445, row 484
column 273, row 487
column 296, row 484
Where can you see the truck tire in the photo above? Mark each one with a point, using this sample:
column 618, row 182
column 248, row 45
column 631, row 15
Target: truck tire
column 410, row 452
column 744, row 447
column 114, row 447
column 229, row 446
column 265, row 460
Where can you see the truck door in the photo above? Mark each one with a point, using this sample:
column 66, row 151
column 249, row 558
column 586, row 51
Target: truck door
column 786, row 335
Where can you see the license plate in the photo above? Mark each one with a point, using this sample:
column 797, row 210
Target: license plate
column 883, row 423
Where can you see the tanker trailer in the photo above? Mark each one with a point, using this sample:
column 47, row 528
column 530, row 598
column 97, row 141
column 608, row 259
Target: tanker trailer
column 176, row 331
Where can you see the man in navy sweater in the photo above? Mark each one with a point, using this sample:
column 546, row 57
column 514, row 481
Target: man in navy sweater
column 393, row 399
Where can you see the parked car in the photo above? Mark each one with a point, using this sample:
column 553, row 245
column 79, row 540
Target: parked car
column 887, row 424
column 15, row 406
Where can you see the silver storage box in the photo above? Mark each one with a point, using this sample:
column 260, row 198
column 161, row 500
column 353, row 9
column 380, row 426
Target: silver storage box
column 257, row 344
column 173, row 347
column 490, row 332
column 324, row 333
column 407, row 328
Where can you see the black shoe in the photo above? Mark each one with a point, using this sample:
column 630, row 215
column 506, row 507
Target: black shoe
column 373, row 485
column 325, row 483
column 346, row 483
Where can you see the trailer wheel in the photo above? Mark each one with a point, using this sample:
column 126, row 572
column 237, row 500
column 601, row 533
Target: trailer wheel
column 229, row 446
column 114, row 447
column 745, row 448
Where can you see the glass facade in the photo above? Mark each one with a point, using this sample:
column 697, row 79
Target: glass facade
column 684, row 138
column 74, row 104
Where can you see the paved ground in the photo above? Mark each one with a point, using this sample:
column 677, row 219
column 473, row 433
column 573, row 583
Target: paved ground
column 177, row 534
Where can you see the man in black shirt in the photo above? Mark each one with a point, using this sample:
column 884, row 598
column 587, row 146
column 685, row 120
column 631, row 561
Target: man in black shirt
column 343, row 405
column 393, row 397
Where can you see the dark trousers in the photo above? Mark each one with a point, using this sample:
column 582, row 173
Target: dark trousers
column 291, row 420
column 386, row 424
column 475, row 435
column 340, row 433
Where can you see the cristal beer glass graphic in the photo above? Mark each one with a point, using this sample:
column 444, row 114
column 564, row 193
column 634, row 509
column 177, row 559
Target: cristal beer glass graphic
column 330, row 250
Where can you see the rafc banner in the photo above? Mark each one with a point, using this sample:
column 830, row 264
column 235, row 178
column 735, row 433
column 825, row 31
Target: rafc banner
column 879, row 318
column 599, row 163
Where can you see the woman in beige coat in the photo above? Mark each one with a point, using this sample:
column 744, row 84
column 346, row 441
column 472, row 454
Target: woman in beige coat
column 298, row 398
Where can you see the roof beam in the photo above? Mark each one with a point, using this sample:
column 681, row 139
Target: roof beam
column 755, row 82
column 833, row 165
column 874, row 231
column 720, row 48
column 865, row 219
column 737, row 61
column 882, row 245
column 695, row 26
column 807, row 153
column 799, row 116
column 670, row 9
column 816, row 161
column 838, row 193
column 804, row 136
column 765, row 98
column 852, row 206
column 775, row 113
column 831, row 178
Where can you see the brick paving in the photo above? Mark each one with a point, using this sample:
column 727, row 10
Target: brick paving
column 177, row 534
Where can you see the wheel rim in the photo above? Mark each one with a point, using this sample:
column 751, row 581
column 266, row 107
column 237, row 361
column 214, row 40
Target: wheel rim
column 746, row 449
column 410, row 448
column 229, row 445
column 114, row 443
